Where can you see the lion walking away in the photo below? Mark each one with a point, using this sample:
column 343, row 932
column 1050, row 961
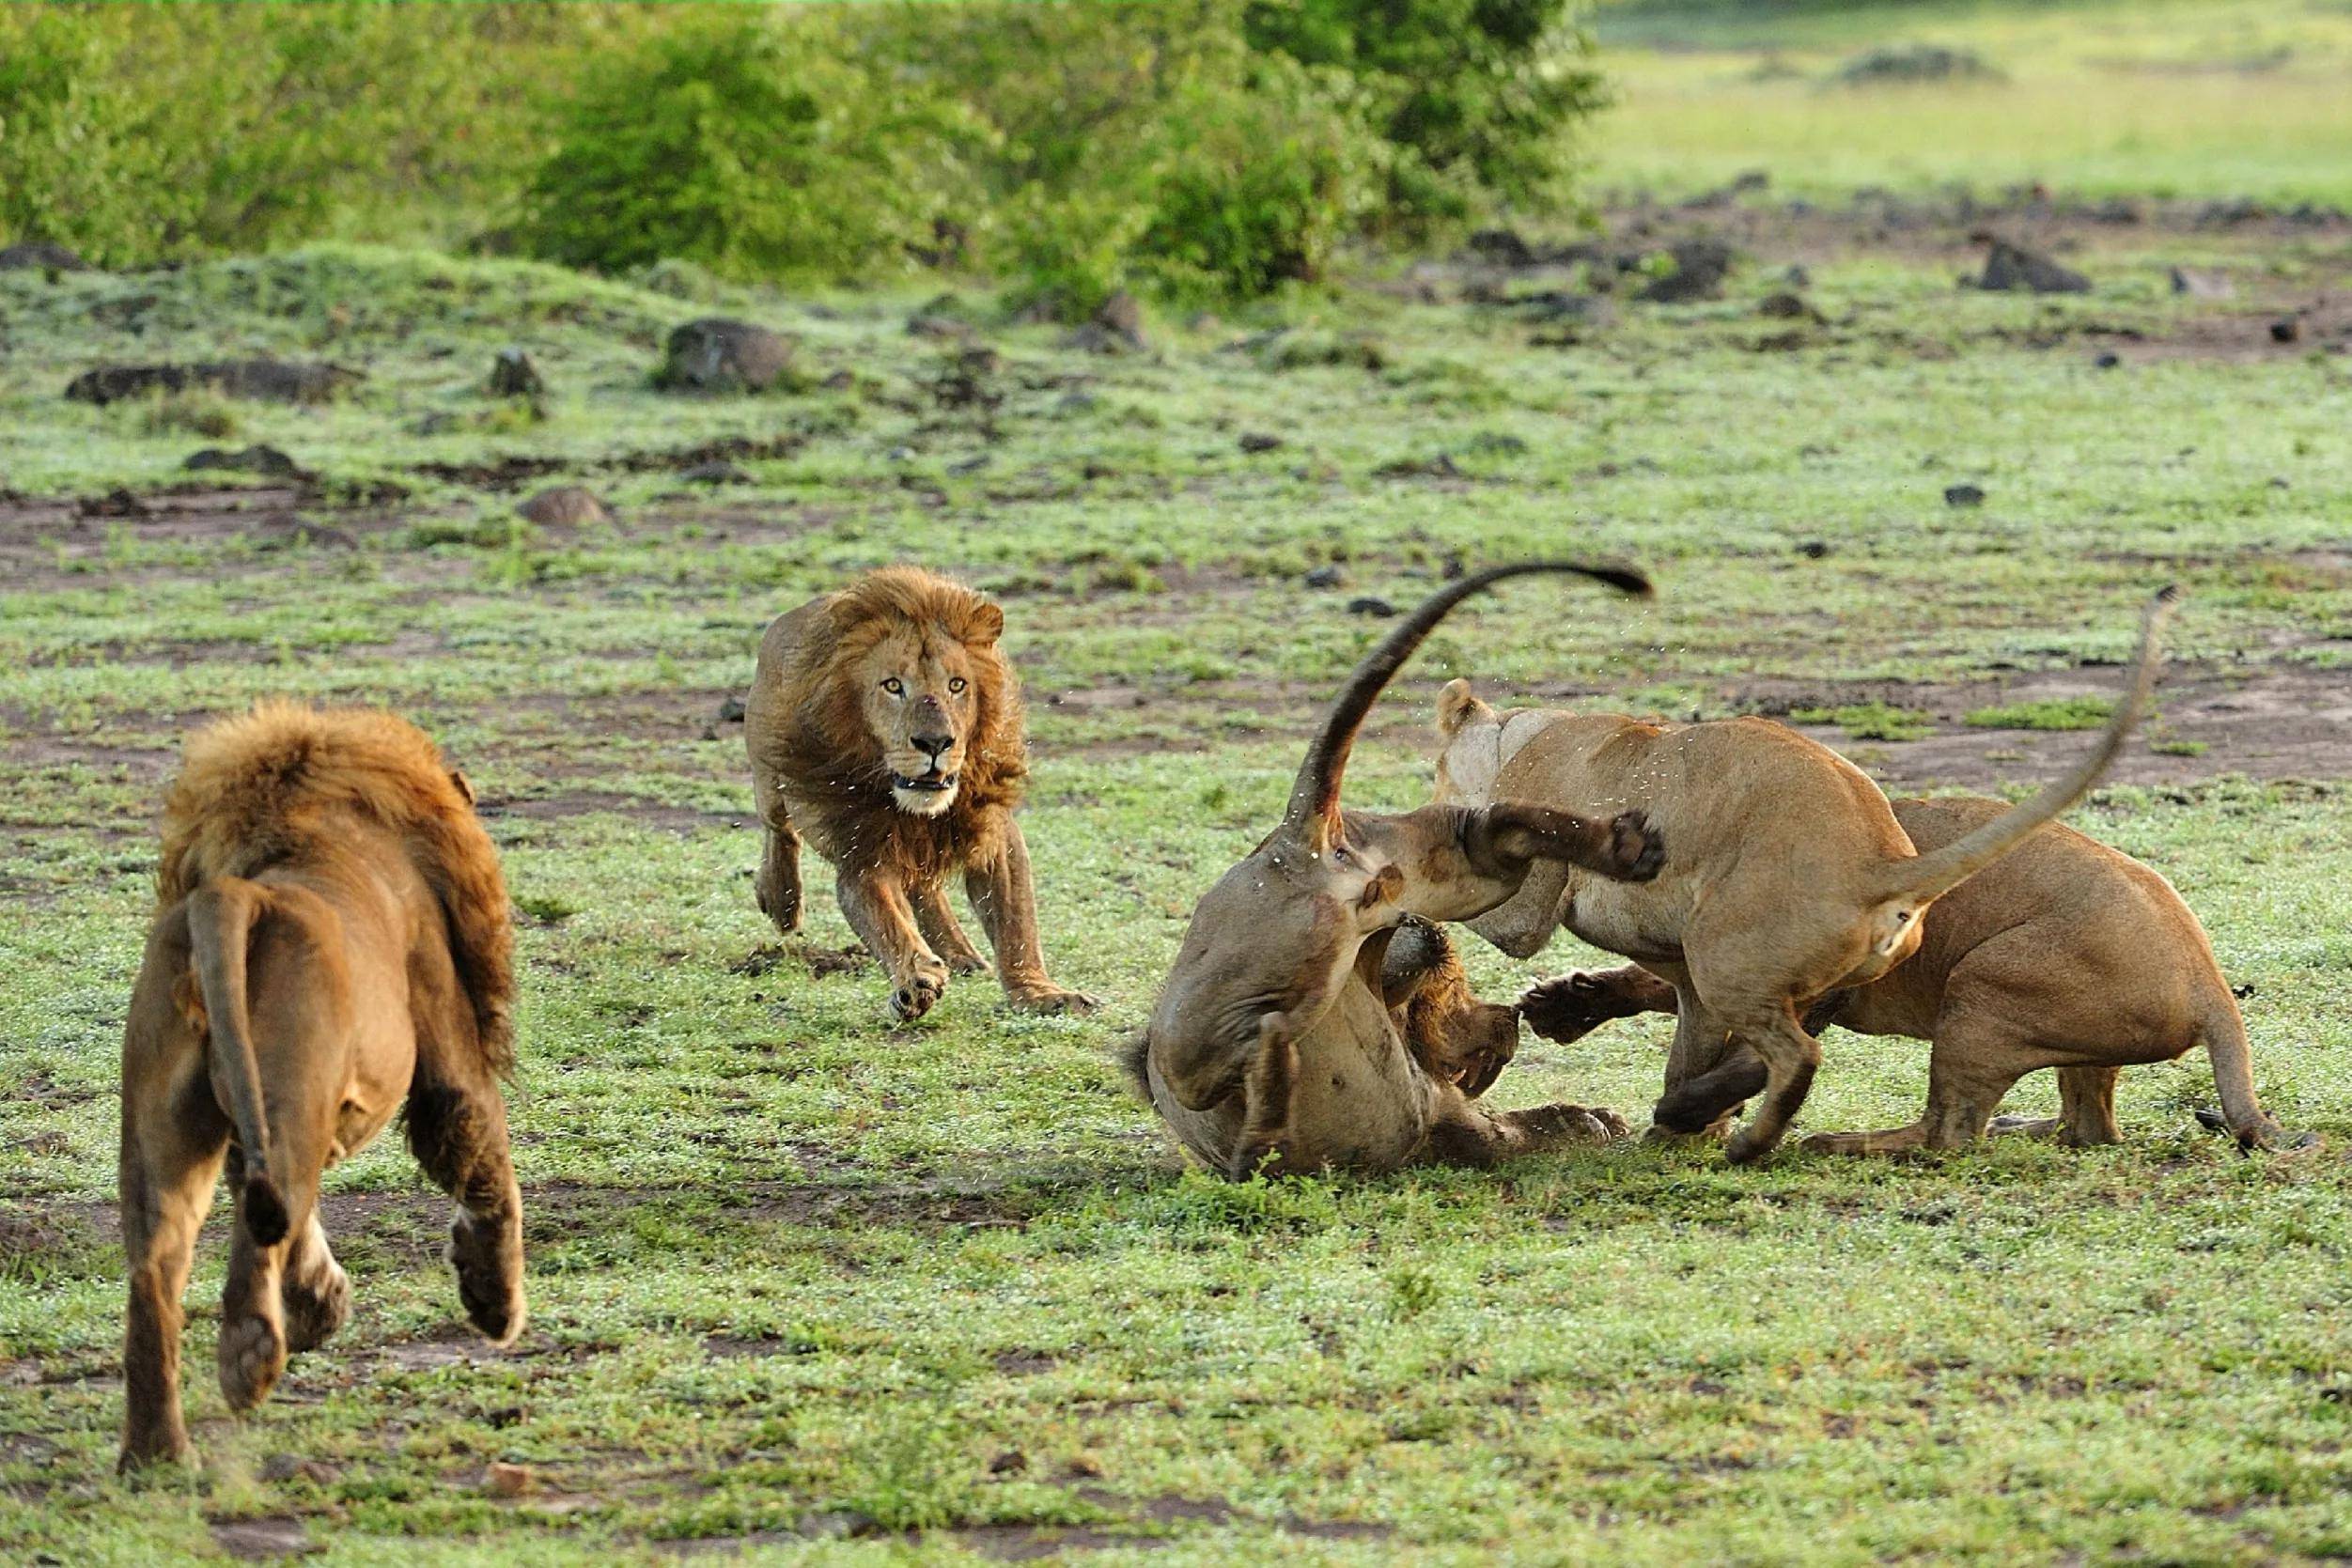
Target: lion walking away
column 885, row 727
column 331, row 942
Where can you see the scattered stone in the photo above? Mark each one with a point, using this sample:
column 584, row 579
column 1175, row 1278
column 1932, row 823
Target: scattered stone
column 1700, row 268
column 1258, row 440
column 1439, row 467
column 2107, row 360
column 2286, row 329
column 510, row 1480
column 2202, row 285
column 970, row 465
column 1905, row 63
column 564, row 506
column 730, row 710
column 1964, row 495
column 246, row 460
column 1814, row 549
column 1116, row 328
column 2013, row 268
column 1502, row 247
column 262, row 1539
column 1371, row 605
column 1785, row 306
column 1325, row 577
column 1010, row 1462
column 42, row 255
column 1795, row 276
column 513, row 374
column 264, row 381
column 719, row 354
column 718, row 471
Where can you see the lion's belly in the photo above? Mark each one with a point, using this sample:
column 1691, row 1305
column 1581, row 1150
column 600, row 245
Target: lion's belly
column 1358, row 1103
column 1639, row 922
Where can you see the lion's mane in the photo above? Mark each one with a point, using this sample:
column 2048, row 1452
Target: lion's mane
column 269, row 787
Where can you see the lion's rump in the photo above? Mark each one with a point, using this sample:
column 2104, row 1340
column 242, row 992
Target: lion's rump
column 270, row 787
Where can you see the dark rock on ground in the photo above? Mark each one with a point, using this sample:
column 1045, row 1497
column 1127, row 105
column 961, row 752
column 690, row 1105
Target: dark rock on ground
column 1324, row 577
column 1744, row 185
column 2107, row 360
column 719, row 354
column 1378, row 608
column 1896, row 64
column 1700, row 268
column 965, row 467
column 40, row 254
column 1964, row 495
column 1795, row 276
column 1814, row 549
column 1118, row 328
column 1502, row 247
column 1785, row 306
column 1561, row 305
column 717, row 471
column 246, row 460
column 2202, row 285
column 730, row 710
column 1439, row 467
column 1258, row 440
column 513, row 374
column 265, row 380
column 564, row 506
column 2013, row 268
column 2286, row 329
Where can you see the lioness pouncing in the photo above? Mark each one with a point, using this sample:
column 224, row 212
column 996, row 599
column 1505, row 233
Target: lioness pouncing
column 2065, row 953
column 332, row 941
column 1790, row 876
column 885, row 726
column 1275, row 1034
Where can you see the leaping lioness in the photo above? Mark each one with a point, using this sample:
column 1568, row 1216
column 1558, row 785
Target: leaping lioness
column 885, row 725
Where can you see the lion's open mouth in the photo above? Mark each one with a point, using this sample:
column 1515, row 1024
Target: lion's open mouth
column 930, row 782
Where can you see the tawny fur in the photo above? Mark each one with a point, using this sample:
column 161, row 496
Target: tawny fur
column 837, row 762
column 331, row 947
column 2065, row 955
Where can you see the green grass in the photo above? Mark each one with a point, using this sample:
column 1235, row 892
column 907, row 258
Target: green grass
column 1872, row 720
column 2053, row 713
column 809, row 1281
column 2172, row 98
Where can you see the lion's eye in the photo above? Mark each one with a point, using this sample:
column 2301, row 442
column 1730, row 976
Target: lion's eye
column 957, row 683
column 895, row 687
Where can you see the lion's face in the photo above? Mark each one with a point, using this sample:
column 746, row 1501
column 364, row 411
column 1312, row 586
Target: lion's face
column 919, row 694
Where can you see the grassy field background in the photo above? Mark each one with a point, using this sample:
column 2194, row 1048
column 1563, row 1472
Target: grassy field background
column 813, row 1289
column 2217, row 99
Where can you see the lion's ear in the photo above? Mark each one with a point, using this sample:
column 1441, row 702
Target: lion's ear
column 465, row 785
column 1458, row 705
column 987, row 626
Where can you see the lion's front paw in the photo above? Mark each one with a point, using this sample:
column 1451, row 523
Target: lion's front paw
column 1051, row 999
column 915, row 994
column 1568, row 1007
column 1636, row 851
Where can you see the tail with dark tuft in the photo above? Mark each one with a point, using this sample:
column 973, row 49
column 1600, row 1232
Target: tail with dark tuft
column 264, row 1210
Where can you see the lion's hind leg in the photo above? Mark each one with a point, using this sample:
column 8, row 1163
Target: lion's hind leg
column 456, row 1128
column 173, row 1138
column 1466, row 1133
column 316, row 1294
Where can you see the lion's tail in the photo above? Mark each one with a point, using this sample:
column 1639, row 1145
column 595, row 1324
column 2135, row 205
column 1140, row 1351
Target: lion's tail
column 221, row 918
column 2241, row 1113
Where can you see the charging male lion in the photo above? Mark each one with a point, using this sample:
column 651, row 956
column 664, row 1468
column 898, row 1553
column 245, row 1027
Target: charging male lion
column 2064, row 954
column 885, row 725
column 332, row 941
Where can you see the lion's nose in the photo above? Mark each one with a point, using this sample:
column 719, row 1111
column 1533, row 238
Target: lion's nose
column 932, row 746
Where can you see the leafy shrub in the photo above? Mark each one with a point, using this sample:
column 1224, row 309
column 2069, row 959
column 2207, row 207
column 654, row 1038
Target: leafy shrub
column 748, row 148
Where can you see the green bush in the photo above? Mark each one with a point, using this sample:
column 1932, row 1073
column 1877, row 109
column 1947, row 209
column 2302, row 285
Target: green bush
column 753, row 147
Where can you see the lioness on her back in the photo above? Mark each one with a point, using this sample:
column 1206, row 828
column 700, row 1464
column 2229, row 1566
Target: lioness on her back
column 1786, row 878
column 331, row 943
column 1283, row 1031
column 884, row 727
column 2064, row 954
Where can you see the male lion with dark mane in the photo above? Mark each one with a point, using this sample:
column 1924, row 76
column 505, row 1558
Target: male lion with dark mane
column 332, row 941
column 885, row 727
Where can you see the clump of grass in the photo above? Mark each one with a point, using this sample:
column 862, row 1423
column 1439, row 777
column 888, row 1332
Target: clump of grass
column 2050, row 713
column 547, row 911
column 1871, row 721
column 2174, row 746
column 193, row 412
